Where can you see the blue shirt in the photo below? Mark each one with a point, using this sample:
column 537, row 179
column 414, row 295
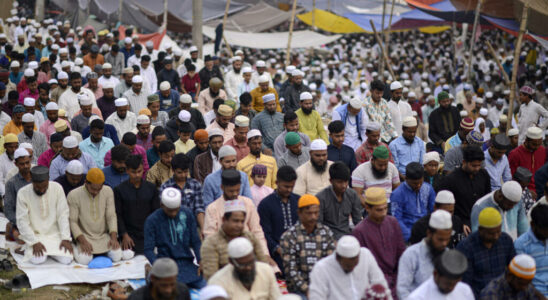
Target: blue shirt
column 110, row 132
column 414, row 268
column 113, row 178
column 174, row 238
column 152, row 156
column 191, row 194
column 499, row 171
column 212, row 187
column 345, row 154
column 404, row 153
column 97, row 151
column 168, row 103
column 59, row 165
column 409, row 206
column 528, row 243
column 485, row 264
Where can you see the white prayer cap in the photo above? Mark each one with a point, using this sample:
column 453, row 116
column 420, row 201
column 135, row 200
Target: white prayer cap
column 483, row 111
column 127, row 40
column 305, row 96
column 234, row 205
column 63, row 50
column 260, row 64
column 235, row 58
column 75, row 167
column 269, row 97
column 27, row 146
column 407, row 82
column 489, row 95
column 427, row 90
column 55, row 47
column 513, row 131
column 348, row 246
column 178, row 52
column 356, row 103
column 253, row 133
column 290, row 296
column 363, row 85
column 226, row 150
column 137, row 79
column 164, row 267
column 78, row 61
column 264, row 78
column 120, row 102
column 28, row 101
column 65, row 64
column 27, row 118
column 523, row 266
column 239, row 247
column 479, row 100
column 164, row 86
column 108, row 85
column 20, row 152
column 241, row 121
column 62, row 75
column 297, row 72
column 171, row 198
column 70, row 142
column 345, row 83
column 212, row 292
column 92, row 118
column 331, row 85
column 215, row 131
column 289, row 69
column 440, row 219
column 511, row 190
column 84, row 99
column 143, row 119
column 411, row 95
column 405, row 90
column 33, row 65
column 184, row 116
column 374, row 74
column 534, row 133
column 318, row 144
column 313, row 86
column 185, row 98
column 53, row 81
column 15, row 64
column 52, row 106
column 395, row 85
column 463, row 113
column 431, row 156
column 28, row 72
column 193, row 49
column 107, row 66
column 373, row 126
column 247, row 70
column 445, row 197
column 404, row 76
column 409, row 122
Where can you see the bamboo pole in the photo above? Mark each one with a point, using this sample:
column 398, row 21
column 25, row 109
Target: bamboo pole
column 288, row 54
column 387, row 33
column 381, row 67
column 313, row 13
column 383, row 51
column 197, row 35
column 517, row 50
column 165, row 15
column 472, row 40
column 504, row 74
column 224, row 26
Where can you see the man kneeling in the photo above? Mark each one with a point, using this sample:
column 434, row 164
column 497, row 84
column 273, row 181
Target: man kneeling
column 93, row 220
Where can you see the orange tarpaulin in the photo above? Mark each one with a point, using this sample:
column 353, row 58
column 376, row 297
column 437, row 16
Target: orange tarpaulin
column 156, row 38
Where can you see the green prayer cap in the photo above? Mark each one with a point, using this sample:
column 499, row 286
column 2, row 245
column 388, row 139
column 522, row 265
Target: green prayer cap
column 292, row 138
column 153, row 97
column 380, row 152
column 443, row 95
column 231, row 103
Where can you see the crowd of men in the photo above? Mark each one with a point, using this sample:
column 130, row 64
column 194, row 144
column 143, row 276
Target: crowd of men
column 229, row 173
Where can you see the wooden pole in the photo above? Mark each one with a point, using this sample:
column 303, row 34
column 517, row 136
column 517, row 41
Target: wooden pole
column 197, row 36
column 517, row 50
column 381, row 67
column 165, row 14
column 383, row 51
column 387, row 33
column 288, row 54
column 504, row 74
column 224, row 27
column 473, row 39
column 313, row 13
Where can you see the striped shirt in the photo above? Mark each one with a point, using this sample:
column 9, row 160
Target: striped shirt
column 363, row 177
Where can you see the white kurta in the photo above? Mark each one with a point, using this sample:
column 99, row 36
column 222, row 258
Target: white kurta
column 232, row 82
column 113, row 80
column 69, row 101
column 43, row 219
column 399, row 111
column 328, row 281
column 309, row 181
column 429, row 291
column 122, row 126
column 529, row 115
column 5, row 166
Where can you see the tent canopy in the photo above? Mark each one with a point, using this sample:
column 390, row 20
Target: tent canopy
column 330, row 22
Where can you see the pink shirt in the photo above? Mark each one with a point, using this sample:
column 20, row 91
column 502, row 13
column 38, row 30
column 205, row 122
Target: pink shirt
column 46, row 158
column 259, row 193
column 138, row 150
column 48, row 128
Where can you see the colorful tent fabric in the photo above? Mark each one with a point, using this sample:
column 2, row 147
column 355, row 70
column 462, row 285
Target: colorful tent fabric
column 330, row 22
column 446, row 10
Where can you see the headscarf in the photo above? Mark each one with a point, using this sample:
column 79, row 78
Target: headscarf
column 486, row 134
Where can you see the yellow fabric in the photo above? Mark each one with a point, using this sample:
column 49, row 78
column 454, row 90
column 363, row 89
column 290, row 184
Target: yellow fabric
column 307, row 200
column 246, row 165
column 312, row 125
column 95, row 176
column 181, row 147
column 433, row 29
column 489, row 218
column 257, row 99
column 327, row 21
column 375, row 196
column 12, row 128
column 10, row 138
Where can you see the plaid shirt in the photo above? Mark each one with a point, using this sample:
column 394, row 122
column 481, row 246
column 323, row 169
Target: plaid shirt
column 380, row 113
column 191, row 194
column 500, row 289
column 300, row 251
column 365, row 152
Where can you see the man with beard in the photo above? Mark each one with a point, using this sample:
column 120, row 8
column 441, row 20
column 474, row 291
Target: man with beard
column 337, row 151
column 168, row 97
column 355, row 120
column 123, row 120
column 69, row 99
column 398, row 109
column 378, row 172
column 15, row 126
column 310, row 122
column 488, row 250
column 530, row 155
column 135, row 199
column 381, row 234
column 296, row 155
column 255, row 142
column 234, row 78
column 81, row 121
column 70, row 152
column 116, row 172
column 313, row 176
column 269, row 121
column 208, row 72
column 496, row 161
column 210, row 94
column 93, row 84
column 116, row 59
column 507, row 201
column 446, row 280
column 454, row 157
column 209, row 162
column 136, row 96
column 107, row 76
column 345, row 274
column 466, row 125
column 196, row 117
column 245, row 277
column 21, row 179
column 44, row 234
column 125, row 84
column 239, row 141
column 7, row 161
column 172, row 230
column 30, row 108
column 222, row 121
column 364, row 153
column 443, row 122
column 407, row 148
column 417, row 262
column 170, row 75
column 530, row 113
column 378, row 111
column 106, row 102
column 293, row 92
column 291, row 124
column 260, row 65
column 35, row 138
column 163, row 283
column 262, row 89
column 96, row 144
column 470, row 175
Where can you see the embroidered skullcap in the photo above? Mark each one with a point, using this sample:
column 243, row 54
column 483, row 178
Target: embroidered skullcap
column 171, row 198
column 375, row 196
column 441, row 96
column 241, row 121
column 84, row 99
column 467, row 123
column 431, row 156
column 18, row 109
column 513, row 132
column 373, row 126
column 409, row 122
column 258, row 169
column 269, row 97
column 60, row 125
column 527, row 90
column 377, row 292
column 523, row 266
column 226, row 150
column 474, row 138
column 234, row 205
column 143, row 119
column 535, row 133
column 224, row 110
